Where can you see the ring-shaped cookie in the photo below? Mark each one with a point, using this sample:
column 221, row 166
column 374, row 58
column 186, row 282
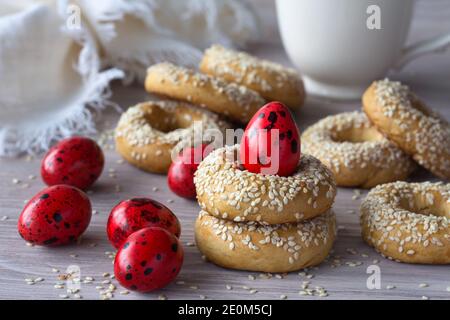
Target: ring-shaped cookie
column 229, row 99
column 265, row 248
column 226, row 190
column 148, row 132
column 409, row 222
column 355, row 151
column 271, row 80
column 405, row 120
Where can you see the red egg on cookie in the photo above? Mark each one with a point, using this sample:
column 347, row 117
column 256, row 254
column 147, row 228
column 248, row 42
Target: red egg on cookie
column 57, row 215
column 149, row 259
column 180, row 177
column 134, row 214
column 271, row 142
column 75, row 161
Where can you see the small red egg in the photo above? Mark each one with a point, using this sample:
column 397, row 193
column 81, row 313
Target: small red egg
column 271, row 142
column 75, row 161
column 148, row 260
column 134, row 214
column 57, row 215
column 180, row 177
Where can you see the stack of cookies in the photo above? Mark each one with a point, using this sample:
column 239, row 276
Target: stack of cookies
column 266, row 223
column 232, row 84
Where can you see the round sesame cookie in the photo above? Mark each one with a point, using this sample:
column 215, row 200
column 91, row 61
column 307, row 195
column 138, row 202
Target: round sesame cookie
column 409, row 222
column 271, row 80
column 149, row 133
column 355, row 151
column 266, row 248
column 406, row 121
column 229, row 99
column 226, row 190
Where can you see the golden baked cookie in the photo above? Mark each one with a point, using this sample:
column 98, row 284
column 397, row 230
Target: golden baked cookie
column 355, row 151
column 265, row 248
column 226, row 190
column 406, row 121
column 147, row 133
column 229, row 99
column 409, row 222
column 271, row 80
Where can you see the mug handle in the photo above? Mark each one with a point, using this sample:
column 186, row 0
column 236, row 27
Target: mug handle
column 436, row 44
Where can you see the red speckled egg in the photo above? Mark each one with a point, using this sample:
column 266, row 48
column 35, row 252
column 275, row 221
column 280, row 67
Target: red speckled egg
column 132, row 215
column 75, row 161
column 148, row 260
column 271, row 142
column 180, row 177
column 57, row 215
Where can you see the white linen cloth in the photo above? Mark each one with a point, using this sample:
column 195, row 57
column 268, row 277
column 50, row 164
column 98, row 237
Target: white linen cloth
column 135, row 34
column 53, row 77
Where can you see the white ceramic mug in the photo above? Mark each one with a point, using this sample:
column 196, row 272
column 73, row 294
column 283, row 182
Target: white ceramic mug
column 341, row 46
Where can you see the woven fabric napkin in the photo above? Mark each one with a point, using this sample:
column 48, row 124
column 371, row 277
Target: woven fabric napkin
column 53, row 75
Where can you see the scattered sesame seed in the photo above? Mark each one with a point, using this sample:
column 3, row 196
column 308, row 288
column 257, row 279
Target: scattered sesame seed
column 390, row 287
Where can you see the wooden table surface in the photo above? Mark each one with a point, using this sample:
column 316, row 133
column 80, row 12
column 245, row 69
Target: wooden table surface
column 343, row 275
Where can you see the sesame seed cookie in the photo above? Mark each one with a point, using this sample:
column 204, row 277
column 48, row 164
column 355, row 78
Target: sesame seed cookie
column 229, row 99
column 148, row 133
column 355, row 151
column 271, row 80
column 267, row 248
column 409, row 222
column 406, row 121
column 226, row 190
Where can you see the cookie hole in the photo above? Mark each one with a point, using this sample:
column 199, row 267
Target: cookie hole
column 432, row 211
column 421, row 205
column 168, row 121
column 358, row 135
